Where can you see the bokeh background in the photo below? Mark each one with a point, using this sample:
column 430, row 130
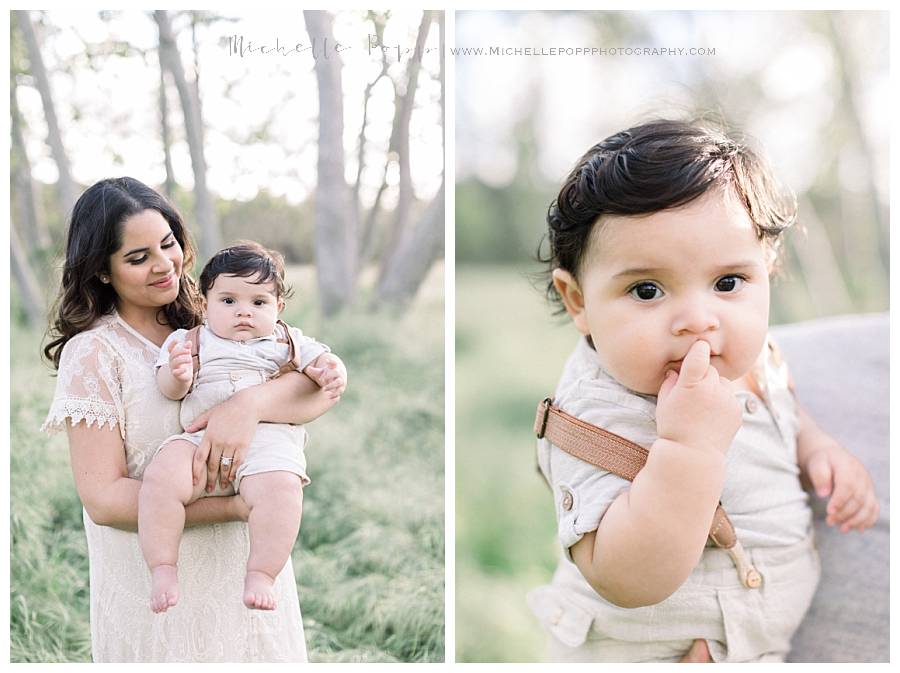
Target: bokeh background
column 335, row 158
column 811, row 87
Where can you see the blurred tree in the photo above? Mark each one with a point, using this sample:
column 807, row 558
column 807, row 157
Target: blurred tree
column 24, row 206
column 342, row 245
column 204, row 212
column 335, row 226
column 400, row 145
column 66, row 185
column 366, row 238
column 416, row 252
column 32, row 297
column 166, row 133
column 414, row 256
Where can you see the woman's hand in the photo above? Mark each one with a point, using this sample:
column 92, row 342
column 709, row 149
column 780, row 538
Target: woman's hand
column 229, row 430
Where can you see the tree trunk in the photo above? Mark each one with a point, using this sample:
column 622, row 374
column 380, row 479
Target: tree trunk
column 166, row 134
column 204, row 211
column 405, row 194
column 378, row 23
column 32, row 297
column 66, row 185
column 867, row 248
column 24, row 197
column 415, row 256
column 335, row 227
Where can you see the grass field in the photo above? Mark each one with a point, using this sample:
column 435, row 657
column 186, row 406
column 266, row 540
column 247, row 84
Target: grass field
column 370, row 560
column 509, row 353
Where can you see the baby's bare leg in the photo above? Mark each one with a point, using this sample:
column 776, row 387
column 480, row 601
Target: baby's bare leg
column 275, row 500
column 166, row 488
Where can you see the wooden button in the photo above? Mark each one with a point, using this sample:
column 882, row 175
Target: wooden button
column 751, row 405
column 567, row 501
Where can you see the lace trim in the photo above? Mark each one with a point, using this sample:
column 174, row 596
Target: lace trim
column 90, row 411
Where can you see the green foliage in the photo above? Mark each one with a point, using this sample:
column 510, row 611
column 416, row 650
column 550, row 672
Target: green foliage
column 273, row 222
column 370, row 558
column 498, row 225
column 505, row 529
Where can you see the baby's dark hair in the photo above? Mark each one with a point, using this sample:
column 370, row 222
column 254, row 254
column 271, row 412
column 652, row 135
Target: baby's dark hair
column 245, row 259
column 655, row 166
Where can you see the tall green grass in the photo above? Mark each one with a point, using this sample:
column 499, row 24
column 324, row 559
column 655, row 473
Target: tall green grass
column 370, row 559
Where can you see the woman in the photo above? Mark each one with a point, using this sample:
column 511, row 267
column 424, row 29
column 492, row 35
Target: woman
column 125, row 287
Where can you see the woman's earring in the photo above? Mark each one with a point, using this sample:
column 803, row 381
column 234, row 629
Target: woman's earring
column 104, row 278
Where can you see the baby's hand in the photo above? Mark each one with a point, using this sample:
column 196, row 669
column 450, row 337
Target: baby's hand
column 697, row 407
column 834, row 471
column 181, row 364
column 329, row 378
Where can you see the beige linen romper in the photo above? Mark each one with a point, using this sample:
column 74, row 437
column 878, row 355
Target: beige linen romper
column 761, row 494
column 228, row 366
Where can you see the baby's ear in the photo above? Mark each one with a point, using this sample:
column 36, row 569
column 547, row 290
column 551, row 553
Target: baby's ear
column 771, row 260
column 280, row 305
column 570, row 292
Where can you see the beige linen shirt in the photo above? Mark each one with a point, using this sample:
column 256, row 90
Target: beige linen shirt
column 761, row 494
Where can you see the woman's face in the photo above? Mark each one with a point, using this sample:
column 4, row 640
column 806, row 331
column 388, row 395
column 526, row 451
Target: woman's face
column 146, row 271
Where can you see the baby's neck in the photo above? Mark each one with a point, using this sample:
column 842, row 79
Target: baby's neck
column 748, row 383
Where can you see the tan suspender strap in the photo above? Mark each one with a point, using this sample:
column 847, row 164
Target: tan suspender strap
column 291, row 364
column 588, row 442
column 616, row 454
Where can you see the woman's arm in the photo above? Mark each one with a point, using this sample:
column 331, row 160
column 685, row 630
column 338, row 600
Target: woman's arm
column 110, row 496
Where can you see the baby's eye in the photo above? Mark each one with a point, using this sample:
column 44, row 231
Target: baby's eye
column 645, row 291
column 228, row 300
column 260, row 302
column 729, row 283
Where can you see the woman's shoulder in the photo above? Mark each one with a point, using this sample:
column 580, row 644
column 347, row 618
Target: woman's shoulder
column 95, row 338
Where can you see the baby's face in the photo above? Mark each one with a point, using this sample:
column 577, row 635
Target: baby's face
column 238, row 309
column 653, row 285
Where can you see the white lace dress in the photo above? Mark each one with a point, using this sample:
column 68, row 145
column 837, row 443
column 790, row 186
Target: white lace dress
column 106, row 378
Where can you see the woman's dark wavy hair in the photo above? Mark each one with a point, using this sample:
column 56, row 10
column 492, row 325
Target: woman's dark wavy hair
column 655, row 166
column 245, row 259
column 95, row 233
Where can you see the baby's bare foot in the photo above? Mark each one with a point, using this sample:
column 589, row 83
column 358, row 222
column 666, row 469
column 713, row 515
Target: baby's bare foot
column 258, row 594
column 164, row 593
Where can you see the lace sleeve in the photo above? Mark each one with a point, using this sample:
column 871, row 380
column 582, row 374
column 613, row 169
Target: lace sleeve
column 88, row 385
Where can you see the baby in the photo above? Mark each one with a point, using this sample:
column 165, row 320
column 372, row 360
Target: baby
column 242, row 343
column 662, row 241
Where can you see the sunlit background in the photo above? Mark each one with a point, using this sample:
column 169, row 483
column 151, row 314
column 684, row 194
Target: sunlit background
column 810, row 87
column 103, row 94
column 260, row 111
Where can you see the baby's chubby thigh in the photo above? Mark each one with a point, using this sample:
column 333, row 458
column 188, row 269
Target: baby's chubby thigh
column 278, row 492
column 170, row 472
